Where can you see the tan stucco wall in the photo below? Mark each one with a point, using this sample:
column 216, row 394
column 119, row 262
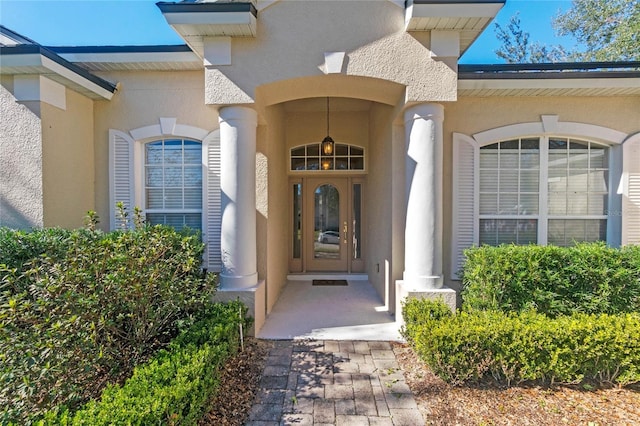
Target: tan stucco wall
column 350, row 127
column 473, row 115
column 275, row 188
column 20, row 161
column 144, row 98
column 379, row 206
column 293, row 36
column 68, row 161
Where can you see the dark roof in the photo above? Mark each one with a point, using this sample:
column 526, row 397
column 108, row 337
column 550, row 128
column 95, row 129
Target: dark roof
column 15, row 36
column 558, row 70
column 168, row 7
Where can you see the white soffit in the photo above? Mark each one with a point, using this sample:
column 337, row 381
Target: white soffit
column 550, row 87
column 38, row 63
column 211, row 19
column 468, row 17
column 135, row 61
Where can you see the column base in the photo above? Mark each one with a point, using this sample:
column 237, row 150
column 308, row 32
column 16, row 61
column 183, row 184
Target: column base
column 422, row 282
column 405, row 290
column 235, row 282
column 253, row 297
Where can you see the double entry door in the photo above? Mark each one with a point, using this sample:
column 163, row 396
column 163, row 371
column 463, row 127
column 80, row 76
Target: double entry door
column 327, row 225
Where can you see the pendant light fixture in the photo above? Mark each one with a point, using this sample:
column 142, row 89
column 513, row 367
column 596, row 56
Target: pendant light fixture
column 327, row 142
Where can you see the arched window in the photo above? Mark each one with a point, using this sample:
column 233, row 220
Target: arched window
column 172, row 172
column 559, row 183
column 543, row 190
column 310, row 157
column 173, row 183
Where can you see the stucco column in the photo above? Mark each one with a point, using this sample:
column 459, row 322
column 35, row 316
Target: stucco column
column 238, row 184
column 423, row 228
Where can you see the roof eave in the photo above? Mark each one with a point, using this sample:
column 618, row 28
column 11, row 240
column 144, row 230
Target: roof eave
column 35, row 59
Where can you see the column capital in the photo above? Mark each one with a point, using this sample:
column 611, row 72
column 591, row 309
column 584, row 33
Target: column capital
column 425, row 110
column 238, row 113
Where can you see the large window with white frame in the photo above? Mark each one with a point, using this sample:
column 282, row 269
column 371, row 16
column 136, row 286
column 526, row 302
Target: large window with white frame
column 547, row 190
column 173, row 183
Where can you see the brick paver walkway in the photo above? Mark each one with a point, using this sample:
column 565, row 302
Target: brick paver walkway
column 333, row 383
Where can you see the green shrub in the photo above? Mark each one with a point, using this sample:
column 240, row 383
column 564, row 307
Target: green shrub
column 420, row 314
column 79, row 308
column 175, row 386
column 588, row 278
column 528, row 346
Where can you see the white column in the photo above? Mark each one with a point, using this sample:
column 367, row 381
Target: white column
column 423, row 229
column 238, row 187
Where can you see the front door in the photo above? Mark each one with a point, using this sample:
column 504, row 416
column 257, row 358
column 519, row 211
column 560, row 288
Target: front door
column 327, row 225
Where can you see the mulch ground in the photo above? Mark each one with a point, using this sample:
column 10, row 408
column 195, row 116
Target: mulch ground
column 238, row 385
column 491, row 404
column 443, row 404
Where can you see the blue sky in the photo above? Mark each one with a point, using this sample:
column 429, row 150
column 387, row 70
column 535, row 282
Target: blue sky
column 126, row 22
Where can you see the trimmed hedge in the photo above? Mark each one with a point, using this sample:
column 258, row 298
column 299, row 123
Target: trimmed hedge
column 525, row 346
column 176, row 385
column 80, row 308
column 588, row 278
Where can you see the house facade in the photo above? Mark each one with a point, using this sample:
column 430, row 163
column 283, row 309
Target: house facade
column 322, row 137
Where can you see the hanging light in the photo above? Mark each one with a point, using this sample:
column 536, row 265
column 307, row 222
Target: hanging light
column 327, row 142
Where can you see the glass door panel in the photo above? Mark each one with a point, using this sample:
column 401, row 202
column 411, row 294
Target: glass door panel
column 356, row 228
column 296, row 232
column 327, row 236
column 325, row 224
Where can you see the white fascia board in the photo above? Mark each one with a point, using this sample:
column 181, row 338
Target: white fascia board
column 209, row 18
column 456, row 10
column 38, row 60
column 26, row 60
column 75, row 78
column 8, row 41
column 547, row 83
column 131, row 57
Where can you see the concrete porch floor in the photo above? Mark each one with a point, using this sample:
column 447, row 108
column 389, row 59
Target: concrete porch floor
column 352, row 312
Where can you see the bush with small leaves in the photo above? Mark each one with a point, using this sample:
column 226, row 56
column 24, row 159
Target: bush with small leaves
column 80, row 308
column 589, row 278
column 173, row 387
column 527, row 346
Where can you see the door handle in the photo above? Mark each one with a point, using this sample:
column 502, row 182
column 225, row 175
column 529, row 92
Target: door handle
column 344, row 231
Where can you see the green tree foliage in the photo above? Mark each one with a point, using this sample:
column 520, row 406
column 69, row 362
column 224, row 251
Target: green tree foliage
column 606, row 30
column 517, row 48
column 609, row 30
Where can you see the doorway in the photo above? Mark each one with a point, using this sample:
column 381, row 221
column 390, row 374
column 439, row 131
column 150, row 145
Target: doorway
column 327, row 225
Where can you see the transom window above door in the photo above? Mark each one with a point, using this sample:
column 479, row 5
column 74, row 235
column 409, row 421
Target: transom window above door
column 343, row 158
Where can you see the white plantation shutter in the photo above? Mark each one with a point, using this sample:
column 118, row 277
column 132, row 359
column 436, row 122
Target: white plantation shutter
column 465, row 194
column 631, row 197
column 121, row 178
column 213, row 202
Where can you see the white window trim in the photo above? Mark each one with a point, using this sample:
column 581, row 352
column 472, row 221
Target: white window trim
column 167, row 128
column 548, row 126
column 628, row 190
column 133, row 194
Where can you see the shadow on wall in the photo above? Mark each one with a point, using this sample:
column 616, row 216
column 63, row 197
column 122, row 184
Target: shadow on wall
column 11, row 217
